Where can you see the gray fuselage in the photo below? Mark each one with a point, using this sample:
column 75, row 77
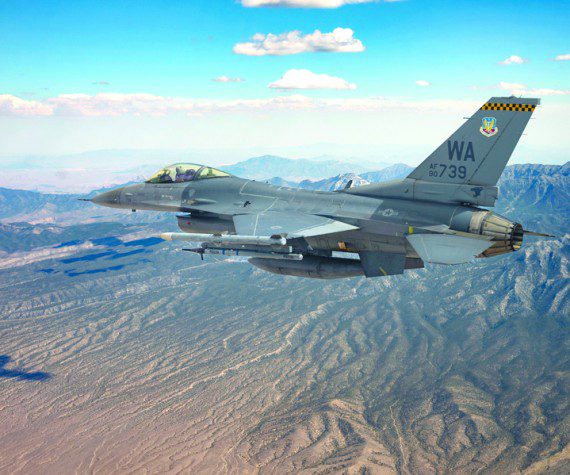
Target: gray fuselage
column 383, row 222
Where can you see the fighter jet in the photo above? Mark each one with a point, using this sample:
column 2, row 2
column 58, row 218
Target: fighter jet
column 435, row 215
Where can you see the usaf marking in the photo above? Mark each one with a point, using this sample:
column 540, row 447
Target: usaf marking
column 450, row 171
column 457, row 151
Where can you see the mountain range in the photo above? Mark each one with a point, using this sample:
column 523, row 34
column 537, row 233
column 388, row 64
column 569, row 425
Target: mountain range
column 340, row 181
column 121, row 353
column 269, row 166
column 82, row 172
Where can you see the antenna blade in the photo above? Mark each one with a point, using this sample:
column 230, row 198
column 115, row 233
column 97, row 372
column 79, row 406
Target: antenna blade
column 533, row 233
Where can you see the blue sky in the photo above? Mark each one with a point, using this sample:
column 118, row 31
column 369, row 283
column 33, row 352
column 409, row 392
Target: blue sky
column 175, row 49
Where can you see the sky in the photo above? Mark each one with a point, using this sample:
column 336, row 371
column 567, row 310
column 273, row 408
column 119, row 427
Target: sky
column 276, row 76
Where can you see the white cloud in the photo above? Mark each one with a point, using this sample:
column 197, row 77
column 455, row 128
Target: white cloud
column 514, row 59
column 423, row 83
column 12, row 105
column 340, row 40
column 562, row 57
column 305, row 79
column 517, row 89
column 545, row 91
column 228, row 79
column 511, row 86
column 109, row 105
column 302, row 3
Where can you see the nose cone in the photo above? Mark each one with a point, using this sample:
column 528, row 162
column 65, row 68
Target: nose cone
column 111, row 198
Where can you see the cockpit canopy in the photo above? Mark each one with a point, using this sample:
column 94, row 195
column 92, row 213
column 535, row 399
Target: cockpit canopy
column 183, row 172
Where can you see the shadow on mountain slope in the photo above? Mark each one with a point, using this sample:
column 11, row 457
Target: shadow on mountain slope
column 20, row 374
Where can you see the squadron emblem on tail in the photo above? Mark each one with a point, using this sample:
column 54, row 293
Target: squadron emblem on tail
column 489, row 126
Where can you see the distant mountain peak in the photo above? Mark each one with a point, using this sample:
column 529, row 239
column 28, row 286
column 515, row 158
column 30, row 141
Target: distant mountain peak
column 267, row 167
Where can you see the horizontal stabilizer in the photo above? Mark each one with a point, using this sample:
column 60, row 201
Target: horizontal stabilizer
column 447, row 248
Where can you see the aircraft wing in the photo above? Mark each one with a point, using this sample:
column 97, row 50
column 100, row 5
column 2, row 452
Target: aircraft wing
column 289, row 224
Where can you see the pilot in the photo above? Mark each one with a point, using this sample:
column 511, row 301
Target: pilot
column 165, row 177
column 190, row 174
column 184, row 175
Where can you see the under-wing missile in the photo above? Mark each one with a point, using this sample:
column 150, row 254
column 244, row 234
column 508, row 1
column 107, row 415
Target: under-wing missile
column 226, row 239
column 247, row 253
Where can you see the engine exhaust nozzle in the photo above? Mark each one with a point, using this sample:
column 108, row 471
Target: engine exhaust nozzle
column 507, row 236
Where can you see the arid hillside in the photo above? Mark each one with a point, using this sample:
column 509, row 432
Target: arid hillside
column 119, row 354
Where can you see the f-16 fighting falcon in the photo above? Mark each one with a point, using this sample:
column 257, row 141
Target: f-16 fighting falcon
column 434, row 215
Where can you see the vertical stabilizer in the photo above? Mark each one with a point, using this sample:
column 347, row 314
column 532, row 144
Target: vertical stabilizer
column 477, row 153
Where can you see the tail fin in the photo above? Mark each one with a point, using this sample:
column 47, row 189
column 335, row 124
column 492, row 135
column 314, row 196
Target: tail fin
column 479, row 150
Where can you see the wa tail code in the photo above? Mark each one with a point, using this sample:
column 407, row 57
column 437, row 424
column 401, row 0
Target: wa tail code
column 457, row 148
